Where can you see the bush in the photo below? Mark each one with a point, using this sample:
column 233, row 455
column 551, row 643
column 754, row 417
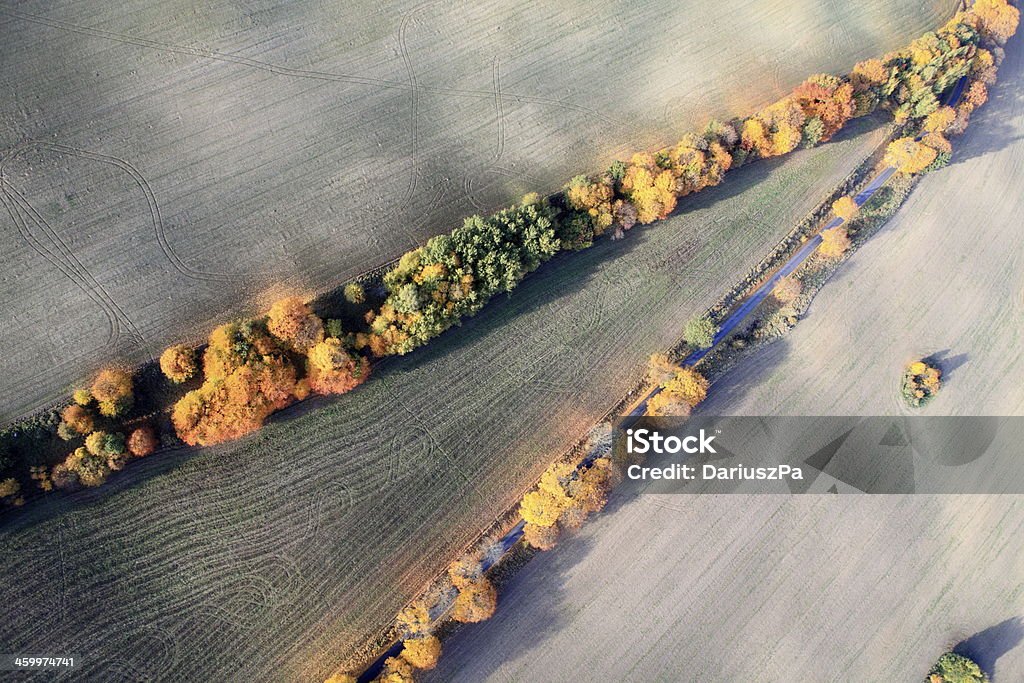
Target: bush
column 178, row 363
column 954, row 668
column 112, row 388
column 105, row 444
column 700, row 331
column 787, row 290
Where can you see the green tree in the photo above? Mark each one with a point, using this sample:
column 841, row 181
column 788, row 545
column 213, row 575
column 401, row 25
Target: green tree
column 954, row 668
column 700, row 331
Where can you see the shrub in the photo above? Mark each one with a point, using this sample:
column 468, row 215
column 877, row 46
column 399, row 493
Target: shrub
column 354, row 293
column 700, row 331
column 422, row 652
column 82, row 466
column 920, row 383
column 178, row 363
column 414, row 619
column 291, row 320
column 954, row 668
column 79, row 420
column 142, row 442
column 9, row 488
column 787, row 289
column 112, row 388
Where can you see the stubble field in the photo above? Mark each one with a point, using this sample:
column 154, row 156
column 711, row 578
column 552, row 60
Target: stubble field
column 277, row 555
column 163, row 167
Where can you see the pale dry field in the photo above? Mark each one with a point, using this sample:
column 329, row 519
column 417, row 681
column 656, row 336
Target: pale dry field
column 165, row 164
column 275, row 556
column 720, row 589
column 945, row 276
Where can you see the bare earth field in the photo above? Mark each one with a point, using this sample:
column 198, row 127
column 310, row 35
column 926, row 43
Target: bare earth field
column 819, row 588
column 277, row 555
column 767, row 588
column 163, row 166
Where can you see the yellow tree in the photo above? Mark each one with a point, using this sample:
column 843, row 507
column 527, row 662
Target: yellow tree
column 940, row 120
column 178, row 363
column 541, row 508
column 834, row 243
column 998, row 18
column 476, row 601
column 422, row 652
column 909, row 156
column 541, row 537
column 112, row 388
column 341, row 678
column 845, row 207
column 78, row 419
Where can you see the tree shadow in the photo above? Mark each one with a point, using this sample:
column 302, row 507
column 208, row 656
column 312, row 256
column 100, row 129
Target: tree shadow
column 986, row 647
column 994, row 126
column 945, row 362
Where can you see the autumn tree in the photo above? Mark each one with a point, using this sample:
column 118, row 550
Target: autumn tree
column 845, row 207
column 921, row 382
column 333, row 370
column 998, row 18
column 940, row 120
column 540, row 537
column 679, row 394
column 834, row 243
column 909, row 156
column 112, row 388
column 787, row 289
column 77, row 420
column 650, row 187
column 476, row 601
column 422, row 652
column 291, row 320
column 828, row 99
column 248, row 376
column 700, row 332
column 9, row 491
column 82, row 466
column 82, row 397
column 142, row 442
column 396, row 670
column 414, row 619
column 178, row 363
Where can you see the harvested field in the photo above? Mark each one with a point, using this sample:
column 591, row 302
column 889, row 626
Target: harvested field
column 761, row 588
column 945, row 276
column 279, row 554
column 162, row 166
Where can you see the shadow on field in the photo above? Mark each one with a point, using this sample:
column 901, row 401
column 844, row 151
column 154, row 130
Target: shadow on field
column 986, row 647
column 993, row 126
